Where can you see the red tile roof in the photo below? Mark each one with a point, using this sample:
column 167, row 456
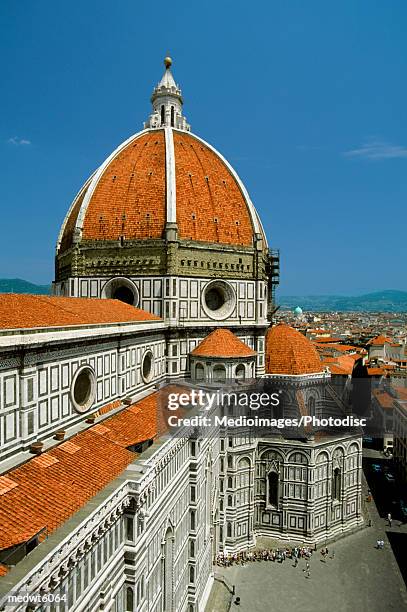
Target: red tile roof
column 210, row 204
column 222, row 343
column 338, row 370
column 385, row 400
column 342, row 364
column 49, row 489
column 379, row 340
column 129, row 198
column 290, row 352
column 20, row 311
column 109, row 407
column 3, row 570
column 376, row 371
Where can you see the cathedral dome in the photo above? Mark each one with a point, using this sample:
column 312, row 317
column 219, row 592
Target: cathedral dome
column 162, row 177
column 289, row 352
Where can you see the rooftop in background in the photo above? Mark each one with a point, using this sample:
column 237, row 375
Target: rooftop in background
column 379, row 340
column 21, row 311
column 341, row 364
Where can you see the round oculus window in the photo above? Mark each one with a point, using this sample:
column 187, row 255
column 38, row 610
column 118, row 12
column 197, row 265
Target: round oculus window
column 218, row 300
column 83, row 389
column 122, row 289
column 147, row 366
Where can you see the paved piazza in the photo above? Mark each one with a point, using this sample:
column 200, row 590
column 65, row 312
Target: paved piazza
column 359, row 578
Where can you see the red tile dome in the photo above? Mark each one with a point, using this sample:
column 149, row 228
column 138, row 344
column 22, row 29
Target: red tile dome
column 289, row 352
column 222, row 343
column 156, row 176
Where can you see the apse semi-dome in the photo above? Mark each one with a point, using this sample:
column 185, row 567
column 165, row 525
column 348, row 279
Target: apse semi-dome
column 290, row 352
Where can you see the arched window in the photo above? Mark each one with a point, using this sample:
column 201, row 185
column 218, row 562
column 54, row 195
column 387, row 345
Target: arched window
column 219, row 374
column 272, row 488
column 230, row 501
column 336, row 484
column 240, row 373
column 199, row 371
column 172, row 116
column 129, row 599
column 297, row 458
column 311, row 406
column 229, row 530
column 162, row 114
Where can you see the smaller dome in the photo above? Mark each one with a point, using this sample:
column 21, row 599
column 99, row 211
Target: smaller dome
column 298, row 310
column 222, row 343
column 289, row 352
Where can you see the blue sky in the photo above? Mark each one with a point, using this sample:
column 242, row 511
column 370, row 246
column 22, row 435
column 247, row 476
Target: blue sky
column 306, row 99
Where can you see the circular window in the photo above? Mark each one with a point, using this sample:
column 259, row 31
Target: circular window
column 147, row 366
column 218, row 300
column 83, row 389
column 124, row 294
column 214, row 298
column 121, row 289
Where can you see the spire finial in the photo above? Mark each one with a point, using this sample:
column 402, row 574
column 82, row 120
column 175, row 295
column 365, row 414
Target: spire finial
column 167, row 62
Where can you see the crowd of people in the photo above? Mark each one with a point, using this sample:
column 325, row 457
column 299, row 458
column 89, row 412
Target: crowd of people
column 278, row 555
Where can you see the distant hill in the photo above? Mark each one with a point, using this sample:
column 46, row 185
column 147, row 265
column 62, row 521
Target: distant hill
column 17, row 285
column 380, row 301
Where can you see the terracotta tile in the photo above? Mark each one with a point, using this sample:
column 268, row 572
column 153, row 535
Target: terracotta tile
column 19, row 311
column 222, row 343
column 290, row 352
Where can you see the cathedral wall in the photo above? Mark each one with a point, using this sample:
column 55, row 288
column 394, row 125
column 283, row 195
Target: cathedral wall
column 306, row 505
column 147, row 537
column 180, row 299
column 38, row 380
